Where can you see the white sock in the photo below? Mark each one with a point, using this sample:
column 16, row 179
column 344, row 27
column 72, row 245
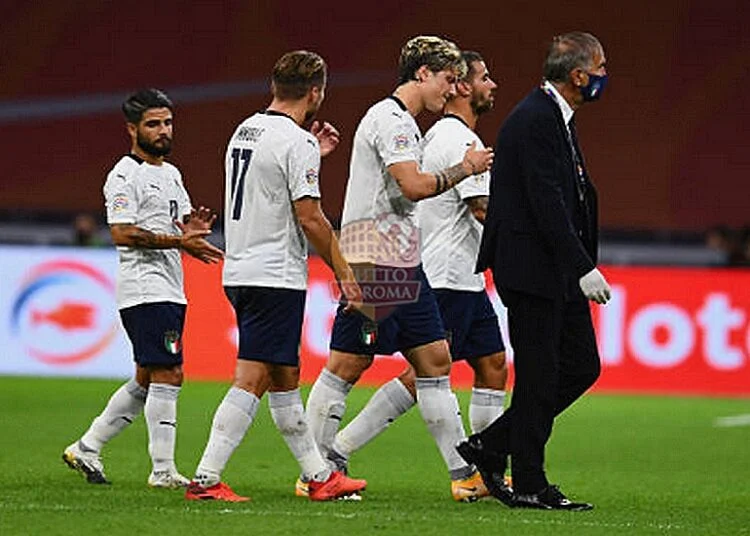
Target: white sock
column 388, row 403
column 123, row 406
column 486, row 405
column 440, row 412
column 233, row 417
column 325, row 408
column 161, row 420
column 289, row 416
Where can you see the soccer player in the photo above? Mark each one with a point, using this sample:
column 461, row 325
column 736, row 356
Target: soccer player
column 272, row 204
column 451, row 227
column 145, row 200
column 379, row 234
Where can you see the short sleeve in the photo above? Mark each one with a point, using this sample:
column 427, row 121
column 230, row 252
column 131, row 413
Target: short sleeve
column 120, row 198
column 304, row 169
column 398, row 140
column 185, row 204
column 474, row 186
column 446, row 147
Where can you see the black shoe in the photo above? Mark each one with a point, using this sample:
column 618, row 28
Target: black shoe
column 491, row 467
column 550, row 498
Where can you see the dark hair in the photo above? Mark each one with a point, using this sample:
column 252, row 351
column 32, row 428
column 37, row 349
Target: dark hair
column 296, row 72
column 567, row 52
column 436, row 53
column 142, row 100
column 470, row 57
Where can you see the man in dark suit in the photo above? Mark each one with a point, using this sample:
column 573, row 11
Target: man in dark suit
column 540, row 240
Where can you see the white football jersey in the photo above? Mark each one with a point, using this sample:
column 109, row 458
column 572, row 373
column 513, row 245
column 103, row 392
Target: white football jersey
column 450, row 233
column 378, row 223
column 270, row 163
column 150, row 197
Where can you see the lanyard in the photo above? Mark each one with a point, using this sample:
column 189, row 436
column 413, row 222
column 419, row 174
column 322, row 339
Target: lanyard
column 570, row 131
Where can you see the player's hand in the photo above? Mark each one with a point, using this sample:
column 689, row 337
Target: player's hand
column 595, row 287
column 201, row 219
column 477, row 160
column 353, row 295
column 194, row 243
column 327, row 135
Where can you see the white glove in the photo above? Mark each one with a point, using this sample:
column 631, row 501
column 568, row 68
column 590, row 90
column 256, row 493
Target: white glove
column 595, row 287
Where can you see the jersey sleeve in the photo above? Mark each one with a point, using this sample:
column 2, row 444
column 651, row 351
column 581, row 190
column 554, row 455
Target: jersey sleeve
column 120, row 197
column 185, row 204
column 474, row 186
column 445, row 147
column 304, row 169
column 397, row 140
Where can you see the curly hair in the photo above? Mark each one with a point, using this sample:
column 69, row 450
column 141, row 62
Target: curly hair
column 435, row 52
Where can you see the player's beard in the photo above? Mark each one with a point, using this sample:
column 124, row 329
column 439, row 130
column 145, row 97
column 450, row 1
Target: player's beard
column 481, row 106
column 309, row 116
column 163, row 149
column 310, row 113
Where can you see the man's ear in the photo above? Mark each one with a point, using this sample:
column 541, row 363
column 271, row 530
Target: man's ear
column 132, row 129
column 463, row 88
column 576, row 77
column 422, row 74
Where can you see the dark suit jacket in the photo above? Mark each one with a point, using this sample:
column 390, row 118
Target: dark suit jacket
column 538, row 238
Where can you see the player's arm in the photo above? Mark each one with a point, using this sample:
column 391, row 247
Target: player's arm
column 478, row 206
column 129, row 235
column 319, row 232
column 192, row 241
column 416, row 184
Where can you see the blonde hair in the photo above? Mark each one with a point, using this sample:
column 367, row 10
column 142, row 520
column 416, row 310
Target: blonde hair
column 436, row 53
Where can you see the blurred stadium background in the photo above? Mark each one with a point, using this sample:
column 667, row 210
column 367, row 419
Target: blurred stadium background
column 667, row 148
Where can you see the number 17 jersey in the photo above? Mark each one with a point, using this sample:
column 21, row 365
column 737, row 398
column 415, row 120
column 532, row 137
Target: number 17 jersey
column 270, row 163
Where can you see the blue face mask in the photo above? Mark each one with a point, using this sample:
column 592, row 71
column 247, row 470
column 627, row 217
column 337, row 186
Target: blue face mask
column 595, row 87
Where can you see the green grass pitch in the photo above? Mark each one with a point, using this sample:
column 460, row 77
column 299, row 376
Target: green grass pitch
column 651, row 465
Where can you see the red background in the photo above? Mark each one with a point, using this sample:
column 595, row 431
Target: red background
column 667, row 145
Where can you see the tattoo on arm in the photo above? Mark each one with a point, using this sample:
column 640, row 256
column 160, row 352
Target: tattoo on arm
column 447, row 178
column 141, row 238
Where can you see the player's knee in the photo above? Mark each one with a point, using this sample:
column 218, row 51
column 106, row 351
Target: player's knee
column 437, row 369
column 430, row 360
column 169, row 375
column 490, row 371
column 348, row 367
column 284, row 378
column 252, row 376
column 256, row 386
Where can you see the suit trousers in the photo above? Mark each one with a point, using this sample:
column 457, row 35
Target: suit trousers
column 556, row 360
